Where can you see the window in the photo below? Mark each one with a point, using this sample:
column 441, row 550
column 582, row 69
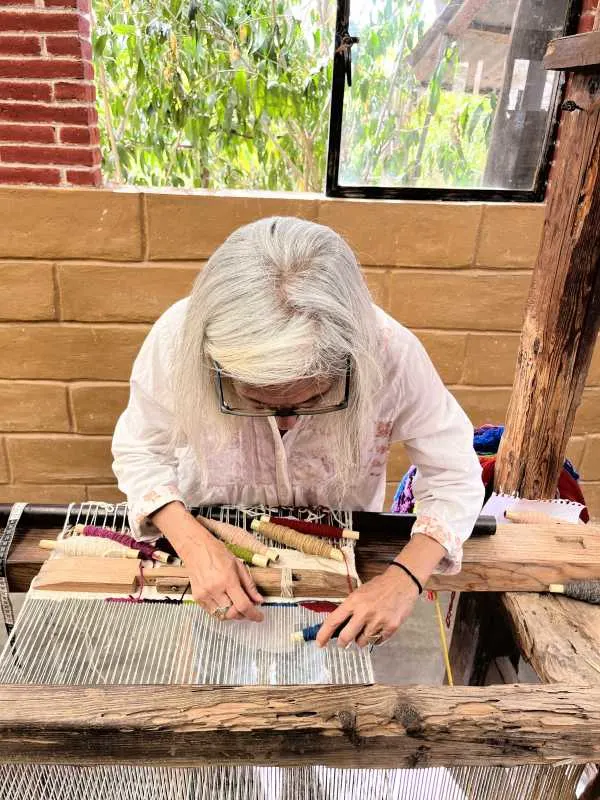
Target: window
column 448, row 99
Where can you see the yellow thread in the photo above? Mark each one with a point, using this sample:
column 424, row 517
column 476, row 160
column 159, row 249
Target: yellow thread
column 443, row 642
column 298, row 541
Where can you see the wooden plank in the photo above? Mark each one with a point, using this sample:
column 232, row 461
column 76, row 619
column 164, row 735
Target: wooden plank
column 563, row 310
column 122, row 575
column 574, row 52
column 358, row 726
column 559, row 637
column 518, row 558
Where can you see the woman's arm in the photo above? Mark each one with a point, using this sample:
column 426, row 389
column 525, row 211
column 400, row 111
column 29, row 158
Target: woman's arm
column 145, row 464
column 448, row 491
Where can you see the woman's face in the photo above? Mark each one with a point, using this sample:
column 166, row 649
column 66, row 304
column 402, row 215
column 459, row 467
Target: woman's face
column 303, row 392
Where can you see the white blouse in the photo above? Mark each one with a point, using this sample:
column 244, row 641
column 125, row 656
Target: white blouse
column 262, row 467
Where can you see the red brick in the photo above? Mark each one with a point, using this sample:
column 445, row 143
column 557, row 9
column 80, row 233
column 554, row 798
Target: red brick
column 46, row 68
column 10, row 90
column 72, row 135
column 20, row 45
column 27, row 133
column 84, row 177
column 82, row 156
column 39, row 21
column 25, row 112
column 48, row 177
column 75, row 91
column 82, row 5
column 69, row 46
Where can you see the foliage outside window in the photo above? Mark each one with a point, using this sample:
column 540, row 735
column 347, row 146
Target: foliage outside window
column 236, row 93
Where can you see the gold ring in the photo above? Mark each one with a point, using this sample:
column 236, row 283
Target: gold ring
column 375, row 640
column 221, row 612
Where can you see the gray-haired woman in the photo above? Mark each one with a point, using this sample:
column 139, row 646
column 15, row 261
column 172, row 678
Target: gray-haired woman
column 279, row 382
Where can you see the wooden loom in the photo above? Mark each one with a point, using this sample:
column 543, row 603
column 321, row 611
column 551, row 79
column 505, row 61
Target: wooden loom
column 554, row 723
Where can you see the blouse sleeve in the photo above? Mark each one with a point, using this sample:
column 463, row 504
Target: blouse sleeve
column 143, row 443
column 438, row 437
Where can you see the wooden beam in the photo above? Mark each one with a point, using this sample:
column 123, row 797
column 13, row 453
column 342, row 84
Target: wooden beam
column 574, row 52
column 365, row 726
column 559, row 637
column 522, row 558
column 563, row 310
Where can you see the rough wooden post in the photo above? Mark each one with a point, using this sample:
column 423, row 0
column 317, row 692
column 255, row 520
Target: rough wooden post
column 563, row 309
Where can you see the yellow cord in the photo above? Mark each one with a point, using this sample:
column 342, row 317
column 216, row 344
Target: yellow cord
column 444, row 643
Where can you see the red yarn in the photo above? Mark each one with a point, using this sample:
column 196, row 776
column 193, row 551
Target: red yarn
column 147, row 550
column 313, row 528
column 324, row 606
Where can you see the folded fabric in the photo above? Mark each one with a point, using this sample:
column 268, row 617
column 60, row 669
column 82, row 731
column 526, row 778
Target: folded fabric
column 486, row 441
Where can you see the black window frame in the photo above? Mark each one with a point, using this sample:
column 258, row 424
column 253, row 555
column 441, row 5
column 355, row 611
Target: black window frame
column 341, row 67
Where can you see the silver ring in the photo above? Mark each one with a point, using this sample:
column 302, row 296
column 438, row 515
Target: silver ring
column 375, row 640
column 221, row 612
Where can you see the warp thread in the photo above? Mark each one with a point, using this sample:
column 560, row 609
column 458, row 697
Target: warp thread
column 238, row 537
column 314, row 528
column 147, row 550
column 298, row 541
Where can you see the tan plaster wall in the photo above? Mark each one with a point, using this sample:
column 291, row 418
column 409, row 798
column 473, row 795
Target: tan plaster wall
column 84, row 273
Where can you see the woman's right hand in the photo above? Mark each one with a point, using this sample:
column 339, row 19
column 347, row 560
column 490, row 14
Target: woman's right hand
column 217, row 578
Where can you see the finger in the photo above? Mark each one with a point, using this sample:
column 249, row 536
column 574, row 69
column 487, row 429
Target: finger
column 352, row 630
column 219, row 600
column 333, row 621
column 243, row 603
column 371, row 634
column 248, row 583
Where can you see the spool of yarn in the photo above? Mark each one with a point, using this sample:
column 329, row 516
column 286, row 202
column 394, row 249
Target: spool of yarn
column 81, row 546
column 147, row 550
column 247, row 555
column 313, row 528
column 309, row 634
column 587, row 591
column 296, row 540
column 238, row 537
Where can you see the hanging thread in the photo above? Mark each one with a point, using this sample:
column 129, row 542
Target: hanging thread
column 313, row 528
column 298, row 541
column 238, row 537
column 443, row 641
column 287, row 582
column 147, row 550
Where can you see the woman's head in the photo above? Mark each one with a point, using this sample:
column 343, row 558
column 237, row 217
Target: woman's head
column 280, row 305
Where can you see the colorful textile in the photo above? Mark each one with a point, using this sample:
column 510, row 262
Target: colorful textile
column 486, row 441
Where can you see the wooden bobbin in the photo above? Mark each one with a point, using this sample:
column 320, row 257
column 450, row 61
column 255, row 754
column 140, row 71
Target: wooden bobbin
column 299, row 541
column 345, row 533
column 113, row 549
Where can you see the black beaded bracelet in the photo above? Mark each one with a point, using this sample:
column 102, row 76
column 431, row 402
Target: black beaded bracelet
column 409, row 573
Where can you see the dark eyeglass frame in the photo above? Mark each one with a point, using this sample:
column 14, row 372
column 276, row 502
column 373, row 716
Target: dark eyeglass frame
column 225, row 408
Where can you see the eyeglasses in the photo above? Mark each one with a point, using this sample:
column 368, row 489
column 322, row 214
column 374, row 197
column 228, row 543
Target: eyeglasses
column 229, row 399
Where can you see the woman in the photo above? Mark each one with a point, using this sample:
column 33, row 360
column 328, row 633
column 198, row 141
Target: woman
column 279, row 382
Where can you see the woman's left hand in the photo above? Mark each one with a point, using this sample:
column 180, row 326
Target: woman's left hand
column 374, row 611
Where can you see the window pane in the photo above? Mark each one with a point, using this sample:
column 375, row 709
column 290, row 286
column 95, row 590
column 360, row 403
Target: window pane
column 449, row 93
column 214, row 93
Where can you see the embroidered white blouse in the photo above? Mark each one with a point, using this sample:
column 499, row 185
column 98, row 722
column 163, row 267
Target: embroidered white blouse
column 262, row 467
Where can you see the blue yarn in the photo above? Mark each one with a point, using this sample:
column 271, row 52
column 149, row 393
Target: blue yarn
column 487, row 439
column 309, row 633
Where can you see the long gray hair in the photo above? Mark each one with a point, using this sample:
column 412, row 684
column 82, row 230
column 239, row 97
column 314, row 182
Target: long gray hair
column 281, row 299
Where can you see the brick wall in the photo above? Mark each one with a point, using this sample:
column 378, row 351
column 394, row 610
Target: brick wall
column 48, row 119
column 84, row 273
